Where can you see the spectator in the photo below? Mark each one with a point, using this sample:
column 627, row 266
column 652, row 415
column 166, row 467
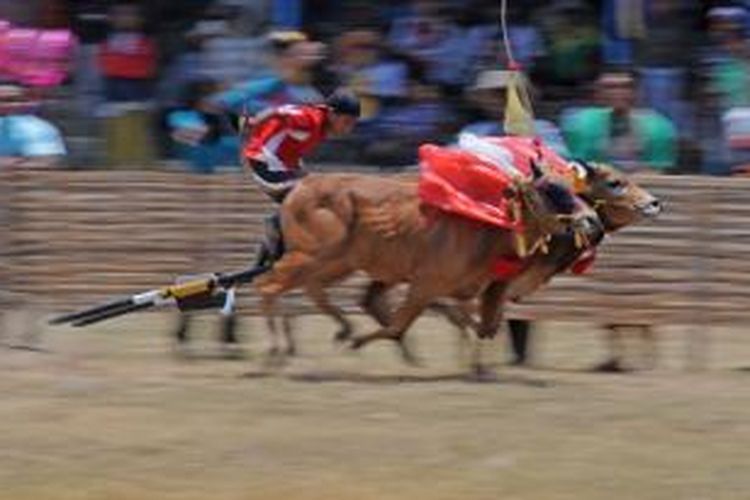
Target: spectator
column 428, row 35
column 623, row 24
column 730, row 68
column 127, row 57
column 485, row 43
column 393, row 136
column 128, row 61
column 294, row 59
column 204, row 139
column 736, row 123
column 26, row 140
column 728, row 64
column 231, row 53
column 186, row 66
column 632, row 139
column 362, row 64
column 616, row 131
column 664, row 56
column 572, row 44
column 419, row 32
column 706, row 131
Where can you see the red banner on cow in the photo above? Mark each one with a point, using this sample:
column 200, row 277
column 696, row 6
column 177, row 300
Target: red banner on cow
column 459, row 182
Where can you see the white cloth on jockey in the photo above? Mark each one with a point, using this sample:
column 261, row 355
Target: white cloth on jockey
column 493, row 154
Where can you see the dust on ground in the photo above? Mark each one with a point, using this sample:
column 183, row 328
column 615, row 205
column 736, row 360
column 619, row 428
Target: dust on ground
column 113, row 412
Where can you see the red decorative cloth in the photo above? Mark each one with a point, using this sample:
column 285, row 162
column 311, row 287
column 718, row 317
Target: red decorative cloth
column 584, row 262
column 506, row 268
column 461, row 183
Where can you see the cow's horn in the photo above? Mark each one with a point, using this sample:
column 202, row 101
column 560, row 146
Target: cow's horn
column 536, row 171
column 587, row 167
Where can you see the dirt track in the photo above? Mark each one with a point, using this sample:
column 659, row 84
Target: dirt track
column 111, row 413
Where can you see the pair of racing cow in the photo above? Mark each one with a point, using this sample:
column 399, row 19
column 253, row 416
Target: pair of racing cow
column 485, row 222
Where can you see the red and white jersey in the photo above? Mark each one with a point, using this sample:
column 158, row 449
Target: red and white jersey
column 283, row 136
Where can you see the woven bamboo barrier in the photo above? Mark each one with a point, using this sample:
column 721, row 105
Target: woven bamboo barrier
column 80, row 237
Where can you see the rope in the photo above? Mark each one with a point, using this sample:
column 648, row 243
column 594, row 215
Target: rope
column 504, row 28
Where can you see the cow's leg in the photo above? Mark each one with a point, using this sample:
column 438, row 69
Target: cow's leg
column 458, row 315
column 616, row 347
column 415, row 303
column 288, row 273
column 268, row 306
column 518, row 333
column 315, row 288
column 491, row 316
column 288, row 330
column 374, row 304
column 181, row 333
column 316, row 292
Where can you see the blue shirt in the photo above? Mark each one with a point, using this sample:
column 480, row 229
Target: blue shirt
column 256, row 95
column 27, row 136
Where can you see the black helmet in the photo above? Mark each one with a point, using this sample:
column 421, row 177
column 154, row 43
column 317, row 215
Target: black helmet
column 344, row 103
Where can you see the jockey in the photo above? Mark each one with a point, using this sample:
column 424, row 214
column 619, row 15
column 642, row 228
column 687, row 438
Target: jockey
column 279, row 139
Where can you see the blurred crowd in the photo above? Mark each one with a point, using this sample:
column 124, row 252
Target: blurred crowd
column 662, row 85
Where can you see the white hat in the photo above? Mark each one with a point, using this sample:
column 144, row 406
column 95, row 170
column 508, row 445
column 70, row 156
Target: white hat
column 492, row 79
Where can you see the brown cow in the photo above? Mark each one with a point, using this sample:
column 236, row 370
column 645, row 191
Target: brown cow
column 619, row 202
column 339, row 223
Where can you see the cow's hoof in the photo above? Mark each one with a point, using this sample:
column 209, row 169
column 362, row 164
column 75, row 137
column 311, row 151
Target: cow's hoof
column 342, row 335
column 482, row 373
column 357, row 343
column 610, row 366
column 229, row 329
column 181, row 333
column 407, row 355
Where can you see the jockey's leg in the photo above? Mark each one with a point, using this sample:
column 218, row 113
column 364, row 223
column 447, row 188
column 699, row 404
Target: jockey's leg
column 273, row 247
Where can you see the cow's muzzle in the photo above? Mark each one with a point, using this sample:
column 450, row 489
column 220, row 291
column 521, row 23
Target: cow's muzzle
column 651, row 209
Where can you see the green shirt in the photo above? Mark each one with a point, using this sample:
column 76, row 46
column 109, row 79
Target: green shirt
column 731, row 79
column 588, row 135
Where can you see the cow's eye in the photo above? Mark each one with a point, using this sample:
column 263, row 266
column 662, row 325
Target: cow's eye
column 616, row 186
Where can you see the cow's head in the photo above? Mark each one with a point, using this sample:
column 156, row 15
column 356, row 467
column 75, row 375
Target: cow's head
column 618, row 200
column 551, row 208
